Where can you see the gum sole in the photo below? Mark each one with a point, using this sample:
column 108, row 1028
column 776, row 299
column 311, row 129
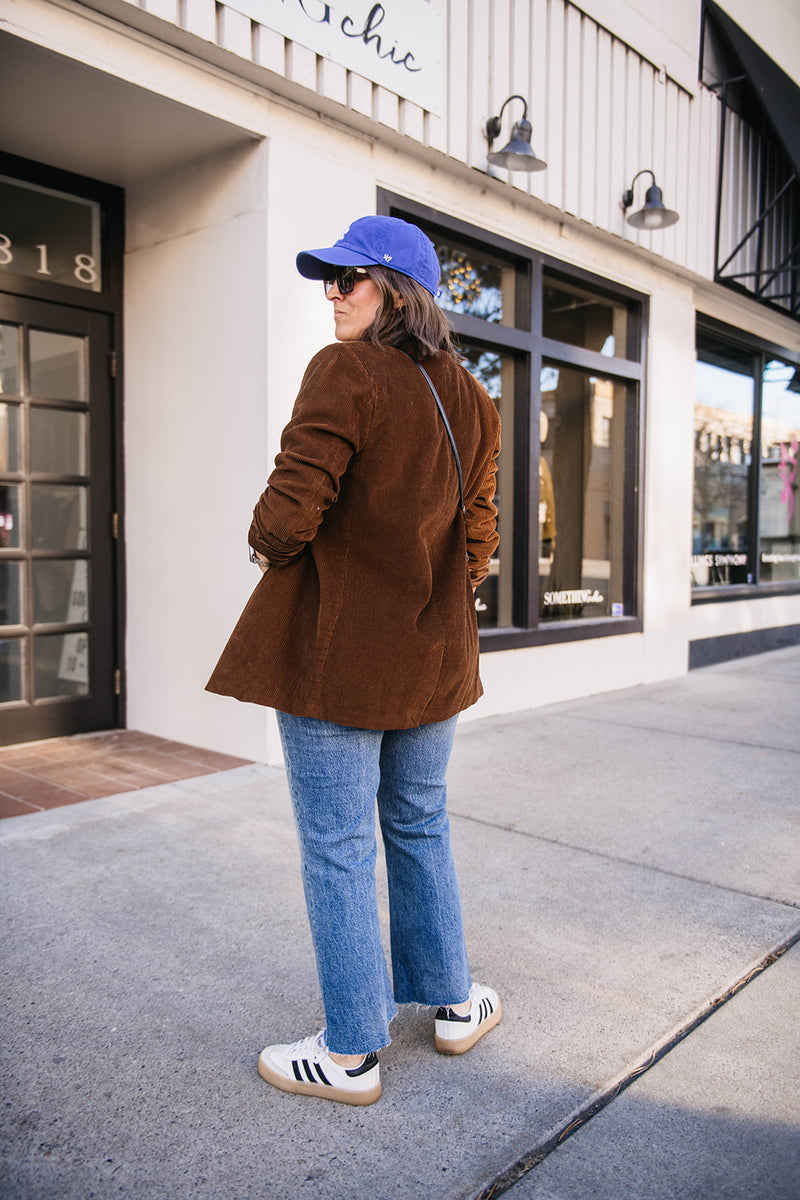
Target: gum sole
column 465, row 1044
column 324, row 1092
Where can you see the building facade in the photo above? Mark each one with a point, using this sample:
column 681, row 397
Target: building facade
column 162, row 163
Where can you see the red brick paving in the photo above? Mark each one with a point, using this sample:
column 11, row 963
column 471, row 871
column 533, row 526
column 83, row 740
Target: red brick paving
column 41, row 775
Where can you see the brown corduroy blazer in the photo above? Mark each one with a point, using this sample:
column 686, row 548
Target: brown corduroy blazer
column 366, row 616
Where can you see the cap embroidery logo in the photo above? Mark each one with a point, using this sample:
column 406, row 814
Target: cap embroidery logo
column 387, row 258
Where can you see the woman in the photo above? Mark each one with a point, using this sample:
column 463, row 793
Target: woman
column 362, row 635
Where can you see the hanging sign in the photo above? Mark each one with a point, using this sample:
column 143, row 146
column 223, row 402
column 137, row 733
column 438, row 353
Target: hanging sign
column 396, row 44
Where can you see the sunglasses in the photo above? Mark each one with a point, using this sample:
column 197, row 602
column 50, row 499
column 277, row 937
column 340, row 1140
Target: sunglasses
column 345, row 279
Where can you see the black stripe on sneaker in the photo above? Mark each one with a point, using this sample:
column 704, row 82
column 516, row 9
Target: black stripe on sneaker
column 297, row 1072
column 369, row 1062
column 308, row 1071
column 447, row 1014
column 321, row 1074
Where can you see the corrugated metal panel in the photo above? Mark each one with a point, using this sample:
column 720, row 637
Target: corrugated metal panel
column 600, row 112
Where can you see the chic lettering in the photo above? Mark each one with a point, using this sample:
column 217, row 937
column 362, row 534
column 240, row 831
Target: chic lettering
column 368, row 36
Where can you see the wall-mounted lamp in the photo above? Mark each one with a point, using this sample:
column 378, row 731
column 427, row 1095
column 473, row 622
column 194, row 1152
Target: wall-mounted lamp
column 517, row 155
column 654, row 215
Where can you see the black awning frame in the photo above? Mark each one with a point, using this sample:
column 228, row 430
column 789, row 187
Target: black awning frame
column 777, row 98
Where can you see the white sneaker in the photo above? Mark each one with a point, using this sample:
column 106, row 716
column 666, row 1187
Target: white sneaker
column 455, row 1034
column 306, row 1067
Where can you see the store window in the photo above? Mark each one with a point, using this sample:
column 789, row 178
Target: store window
column 746, row 525
column 560, row 354
column 581, row 317
column 581, row 495
column 475, row 283
column 723, row 438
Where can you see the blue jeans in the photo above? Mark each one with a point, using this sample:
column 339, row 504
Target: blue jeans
column 335, row 773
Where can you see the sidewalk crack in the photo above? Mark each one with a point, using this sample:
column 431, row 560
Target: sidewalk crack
column 679, row 733
column 625, row 862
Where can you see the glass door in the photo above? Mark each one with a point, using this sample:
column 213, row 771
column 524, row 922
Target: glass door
column 57, row 528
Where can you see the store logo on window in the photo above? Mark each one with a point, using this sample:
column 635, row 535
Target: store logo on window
column 723, row 559
column 578, row 596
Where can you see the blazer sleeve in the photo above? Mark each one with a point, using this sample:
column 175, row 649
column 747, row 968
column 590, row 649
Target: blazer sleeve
column 481, row 516
column 330, row 423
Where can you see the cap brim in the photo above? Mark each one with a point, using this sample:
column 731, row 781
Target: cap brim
column 314, row 264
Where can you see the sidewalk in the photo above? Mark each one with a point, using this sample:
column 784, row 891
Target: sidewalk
column 630, row 865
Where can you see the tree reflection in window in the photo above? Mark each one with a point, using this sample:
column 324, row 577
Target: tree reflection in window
column 486, row 366
column 723, row 438
column 472, row 284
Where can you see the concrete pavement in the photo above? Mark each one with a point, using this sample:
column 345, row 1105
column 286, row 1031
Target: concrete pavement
column 630, row 870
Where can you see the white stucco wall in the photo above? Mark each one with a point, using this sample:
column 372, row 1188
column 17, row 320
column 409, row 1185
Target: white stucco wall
column 195, row 438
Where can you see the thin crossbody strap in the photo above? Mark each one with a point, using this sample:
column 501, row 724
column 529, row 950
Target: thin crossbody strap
column 448, row 430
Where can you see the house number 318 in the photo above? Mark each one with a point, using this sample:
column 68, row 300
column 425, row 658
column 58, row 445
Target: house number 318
column 85, row 269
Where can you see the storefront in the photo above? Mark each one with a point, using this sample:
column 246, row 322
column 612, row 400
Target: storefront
column 164, row 163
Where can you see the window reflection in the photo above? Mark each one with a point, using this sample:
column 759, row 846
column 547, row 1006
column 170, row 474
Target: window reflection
column 11, row 674
column 59, row 517
column 10, row 593
column 9, row 359
column 472, row 282
column 779, row 511
column 493, row 598
column 581, row 317
column 10, row 527
column 10, row 445
column 60, row 591
column 58, row 366
column 58, row 441
column 723, row 433
column 581, row 495
column 61, row 665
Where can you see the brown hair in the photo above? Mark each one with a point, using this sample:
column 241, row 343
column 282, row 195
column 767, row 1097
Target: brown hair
column 409, row 318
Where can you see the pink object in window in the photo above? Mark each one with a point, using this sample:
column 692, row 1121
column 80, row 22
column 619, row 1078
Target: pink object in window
column 787, row 470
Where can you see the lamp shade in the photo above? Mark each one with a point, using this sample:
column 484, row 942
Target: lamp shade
column 654, row 215
column 517, row 154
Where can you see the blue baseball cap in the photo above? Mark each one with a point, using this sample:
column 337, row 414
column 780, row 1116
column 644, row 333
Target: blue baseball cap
column 377, row 241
